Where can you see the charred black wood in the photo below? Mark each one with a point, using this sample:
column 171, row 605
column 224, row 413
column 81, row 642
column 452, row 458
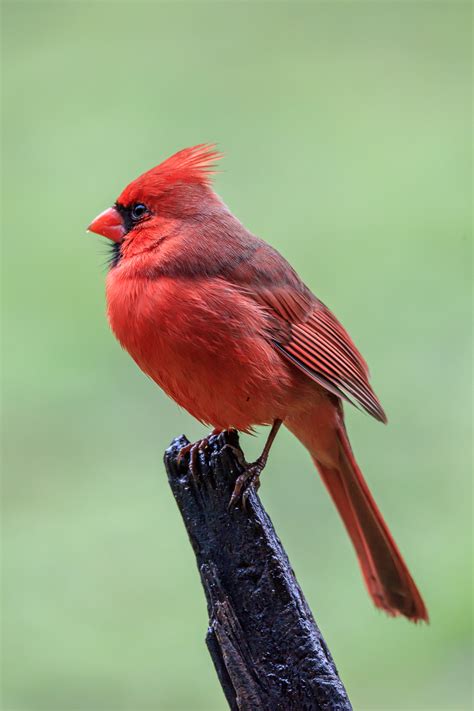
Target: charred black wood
column 268, row 652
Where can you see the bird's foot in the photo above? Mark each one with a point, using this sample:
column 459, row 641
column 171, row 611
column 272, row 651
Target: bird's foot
column 193, row 450
column 248, row 480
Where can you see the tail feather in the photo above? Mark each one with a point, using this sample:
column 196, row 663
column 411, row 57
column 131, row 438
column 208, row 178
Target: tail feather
column 385, row 573
column 335, row 485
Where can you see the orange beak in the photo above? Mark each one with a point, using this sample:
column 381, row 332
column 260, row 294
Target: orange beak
column 109, row 224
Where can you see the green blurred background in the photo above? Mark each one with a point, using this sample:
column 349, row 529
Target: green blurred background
column 346, row 133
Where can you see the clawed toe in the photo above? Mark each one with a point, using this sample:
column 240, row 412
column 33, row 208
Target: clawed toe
column 248, row 480
column 193, row 450
column 238, row 454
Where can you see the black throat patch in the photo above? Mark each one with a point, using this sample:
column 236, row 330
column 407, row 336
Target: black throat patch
column 115, row 254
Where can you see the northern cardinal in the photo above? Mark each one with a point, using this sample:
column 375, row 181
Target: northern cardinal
column 221, row 321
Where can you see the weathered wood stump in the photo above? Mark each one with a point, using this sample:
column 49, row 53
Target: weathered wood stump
column 267, row 649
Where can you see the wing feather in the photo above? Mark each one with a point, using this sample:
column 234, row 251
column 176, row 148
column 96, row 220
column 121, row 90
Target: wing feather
column 318, row 344
column 322, row 346
column 304, row 330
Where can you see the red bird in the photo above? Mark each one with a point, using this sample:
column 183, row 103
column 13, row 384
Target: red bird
column 225, row 326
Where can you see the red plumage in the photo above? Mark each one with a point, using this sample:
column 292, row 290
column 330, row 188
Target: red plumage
column 221, row 321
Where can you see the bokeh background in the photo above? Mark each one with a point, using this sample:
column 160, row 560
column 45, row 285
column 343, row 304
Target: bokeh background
column 346, row 132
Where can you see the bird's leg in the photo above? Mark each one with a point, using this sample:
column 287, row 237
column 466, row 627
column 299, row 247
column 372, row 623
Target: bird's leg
column 251, row 474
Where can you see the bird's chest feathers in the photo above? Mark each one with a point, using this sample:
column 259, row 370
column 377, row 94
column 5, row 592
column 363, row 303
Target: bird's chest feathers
column 200, row 340
column 183, row 334
column 152, row 323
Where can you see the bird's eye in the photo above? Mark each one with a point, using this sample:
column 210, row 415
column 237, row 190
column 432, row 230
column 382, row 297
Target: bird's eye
column 138, row 211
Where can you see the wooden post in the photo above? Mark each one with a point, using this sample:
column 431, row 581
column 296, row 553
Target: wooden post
column 266, row 647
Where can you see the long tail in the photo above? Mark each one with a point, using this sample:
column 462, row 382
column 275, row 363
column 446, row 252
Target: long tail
column 386, row 575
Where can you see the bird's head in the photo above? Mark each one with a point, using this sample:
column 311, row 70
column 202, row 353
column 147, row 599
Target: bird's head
column 177, row 189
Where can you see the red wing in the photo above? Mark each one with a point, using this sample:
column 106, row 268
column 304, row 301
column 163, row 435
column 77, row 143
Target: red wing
column 318, row 344
column 305, row 331
column 321, row 347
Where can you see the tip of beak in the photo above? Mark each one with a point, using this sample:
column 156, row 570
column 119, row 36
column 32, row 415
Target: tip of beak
column 108, row 224
column 90, row 228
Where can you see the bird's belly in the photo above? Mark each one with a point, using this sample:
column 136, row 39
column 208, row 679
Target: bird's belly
column 214, row 388
column 204, row 344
